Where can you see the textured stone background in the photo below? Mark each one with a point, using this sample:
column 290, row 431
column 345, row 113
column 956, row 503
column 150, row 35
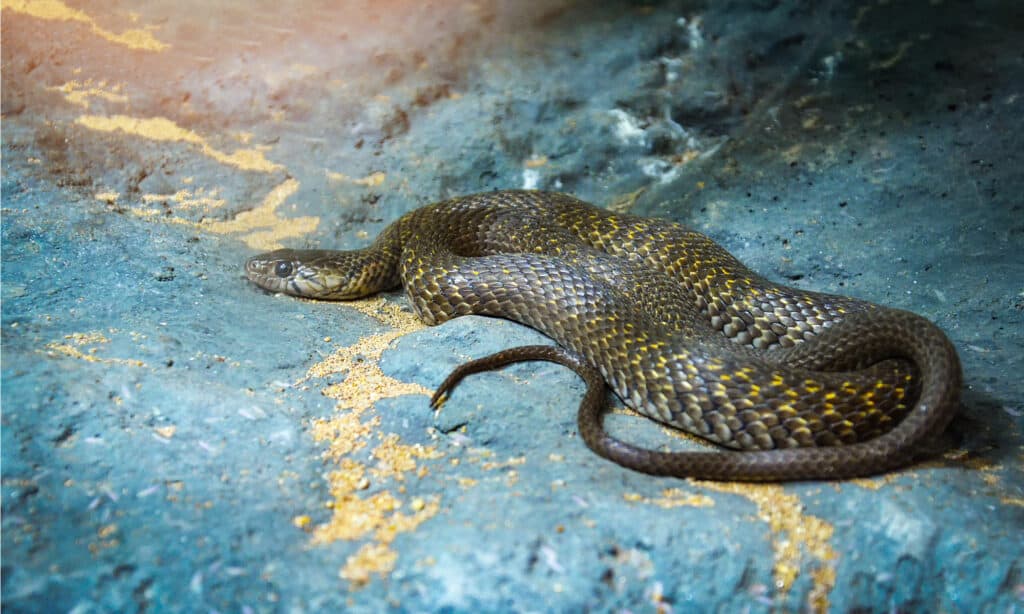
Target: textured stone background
column 175, row 440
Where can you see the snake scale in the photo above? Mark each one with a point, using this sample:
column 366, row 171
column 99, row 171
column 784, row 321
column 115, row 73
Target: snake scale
column 802, row 385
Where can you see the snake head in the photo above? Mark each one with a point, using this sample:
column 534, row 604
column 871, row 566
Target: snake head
column 310, row 273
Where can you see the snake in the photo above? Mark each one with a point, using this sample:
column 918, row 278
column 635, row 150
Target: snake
column 790, row 384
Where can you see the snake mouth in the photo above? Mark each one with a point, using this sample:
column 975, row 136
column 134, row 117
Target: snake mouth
column 268, row 284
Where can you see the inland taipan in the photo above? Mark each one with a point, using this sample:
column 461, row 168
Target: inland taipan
column 800, row 385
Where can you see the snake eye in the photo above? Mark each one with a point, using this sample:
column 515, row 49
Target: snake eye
column 283, row 268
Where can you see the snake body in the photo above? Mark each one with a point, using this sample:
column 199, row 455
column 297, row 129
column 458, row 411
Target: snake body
column 804, row 385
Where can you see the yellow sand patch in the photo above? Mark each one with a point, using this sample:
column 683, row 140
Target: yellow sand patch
column 877, row 482
column 365, row 383
column 372, row 180
column 356, row 517
column 344, row 433
column 670, row 498
column 264, row 228
column 163, row 129
column 187, row 199
column 58, row 11
column 395, row 459
column 110, row 197
column 370, row 559
column 76, row 345
column 793, row 534
column 514, row 461
column 388, row 312
column 79, row 93
column 363, row 507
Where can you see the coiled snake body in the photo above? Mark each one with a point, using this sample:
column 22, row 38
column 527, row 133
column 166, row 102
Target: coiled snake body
column 807, row 385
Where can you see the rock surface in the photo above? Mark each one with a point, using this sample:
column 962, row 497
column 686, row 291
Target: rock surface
column 175, row 440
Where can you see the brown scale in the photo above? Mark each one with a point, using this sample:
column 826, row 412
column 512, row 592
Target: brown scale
column 809, row 385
